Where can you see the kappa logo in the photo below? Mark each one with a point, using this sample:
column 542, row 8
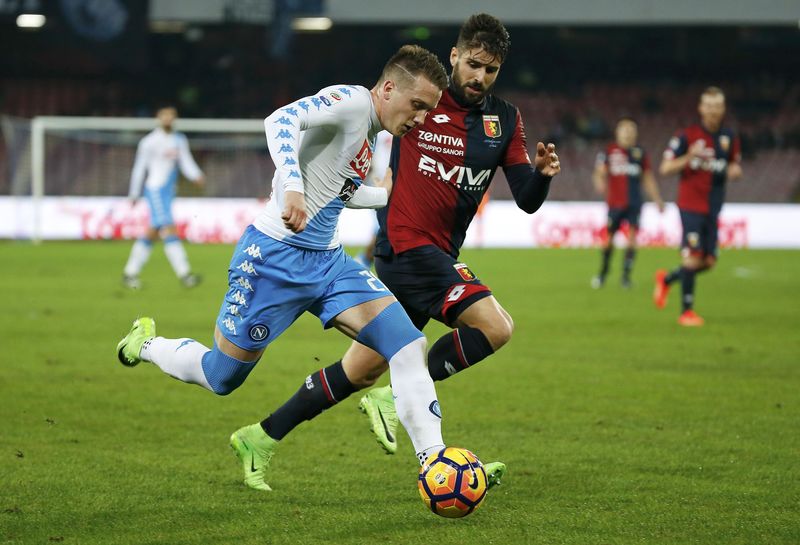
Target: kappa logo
column 247, row 267
column 232, row 309
column 239, row 298
column 259, row 332
column 441, row 118
column 229, row 324
column 245, row 283
column 253, row 251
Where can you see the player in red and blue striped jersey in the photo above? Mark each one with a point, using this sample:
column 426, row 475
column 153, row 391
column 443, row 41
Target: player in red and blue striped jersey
column 706, row 155
column 620, row 172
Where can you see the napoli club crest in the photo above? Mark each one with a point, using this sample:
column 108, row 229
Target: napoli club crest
column 491, row 126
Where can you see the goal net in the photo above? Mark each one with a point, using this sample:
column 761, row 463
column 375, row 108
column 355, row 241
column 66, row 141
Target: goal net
column 92, row 158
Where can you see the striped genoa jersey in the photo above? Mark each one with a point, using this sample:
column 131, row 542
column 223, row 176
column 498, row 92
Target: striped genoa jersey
column 702, row 183
column 442, row 169
column 625, row 167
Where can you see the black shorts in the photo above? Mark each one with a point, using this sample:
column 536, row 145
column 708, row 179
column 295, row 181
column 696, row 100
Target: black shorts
column 617, row 215
column 430, row 283
column 699, row 234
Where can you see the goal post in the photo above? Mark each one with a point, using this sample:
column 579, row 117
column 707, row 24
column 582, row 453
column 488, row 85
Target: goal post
column 237, row 144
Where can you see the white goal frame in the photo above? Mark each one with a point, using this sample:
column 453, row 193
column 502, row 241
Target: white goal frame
column 41, row 124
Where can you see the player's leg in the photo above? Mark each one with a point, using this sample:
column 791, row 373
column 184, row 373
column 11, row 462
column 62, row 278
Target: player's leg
column 140, row 254
column 383, row 326
column 663, row 278
column 607, row 248
column 630, row 251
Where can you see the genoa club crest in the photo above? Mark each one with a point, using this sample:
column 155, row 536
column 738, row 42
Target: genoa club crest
column 491, row 126
column 464, row 271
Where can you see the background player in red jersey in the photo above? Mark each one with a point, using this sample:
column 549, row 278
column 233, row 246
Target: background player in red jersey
column 441, row 170
column 706, row 155
column 619, row 173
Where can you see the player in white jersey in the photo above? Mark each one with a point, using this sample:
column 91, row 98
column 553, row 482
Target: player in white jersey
column 159, row 156
column 290, row 260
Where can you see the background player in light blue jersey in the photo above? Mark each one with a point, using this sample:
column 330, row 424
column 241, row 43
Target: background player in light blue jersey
column 290, row 261
column 159, row 156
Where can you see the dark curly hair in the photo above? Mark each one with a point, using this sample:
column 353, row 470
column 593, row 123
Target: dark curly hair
column 484, row 31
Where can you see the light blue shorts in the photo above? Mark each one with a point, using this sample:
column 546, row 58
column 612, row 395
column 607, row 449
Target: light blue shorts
column 160, row 201
column 271, row 283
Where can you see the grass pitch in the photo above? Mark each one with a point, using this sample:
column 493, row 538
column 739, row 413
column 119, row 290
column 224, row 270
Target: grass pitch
column 618, row 426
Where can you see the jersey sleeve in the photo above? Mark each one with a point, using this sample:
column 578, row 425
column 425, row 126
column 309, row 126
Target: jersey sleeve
column 517, row 151
column 736, row 150
column 646, row 167
column 186, row 162
column 139, row 170
column 677, row 146
column 331, row 107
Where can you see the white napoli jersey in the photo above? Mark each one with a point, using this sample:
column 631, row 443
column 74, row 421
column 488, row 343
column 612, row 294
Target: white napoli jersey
column 158, row 157
column 322, row 147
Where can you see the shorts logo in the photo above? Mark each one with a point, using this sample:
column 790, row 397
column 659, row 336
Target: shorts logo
column 464, row 271
column 435, row 408
column 725, row 142
column 491, row 126
column 693, row 239
column 259, row 332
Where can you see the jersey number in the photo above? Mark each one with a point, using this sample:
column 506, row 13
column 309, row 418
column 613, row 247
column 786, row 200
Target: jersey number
column 372, row 280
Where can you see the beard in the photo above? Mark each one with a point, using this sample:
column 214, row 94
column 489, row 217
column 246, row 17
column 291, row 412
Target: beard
column 460, row 88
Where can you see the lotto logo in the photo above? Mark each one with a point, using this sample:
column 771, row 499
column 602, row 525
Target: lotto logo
column 441, row 118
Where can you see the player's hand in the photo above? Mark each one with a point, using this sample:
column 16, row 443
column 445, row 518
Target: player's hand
column 734, row 171
column 201, row 181
column 546, row 160
column 661, row 206
column 696, row 149
column 294, row 211
column 386, row 182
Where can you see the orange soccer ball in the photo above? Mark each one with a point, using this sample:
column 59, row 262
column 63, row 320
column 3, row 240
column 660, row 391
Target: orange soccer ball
column 452, row 482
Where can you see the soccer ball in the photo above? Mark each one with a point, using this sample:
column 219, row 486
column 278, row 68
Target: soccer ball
column 452, row 482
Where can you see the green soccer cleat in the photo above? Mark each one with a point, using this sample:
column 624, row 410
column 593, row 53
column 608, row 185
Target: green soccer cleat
column 494, row 472
column 129, row 347
column 378, row 405
column 254, row 448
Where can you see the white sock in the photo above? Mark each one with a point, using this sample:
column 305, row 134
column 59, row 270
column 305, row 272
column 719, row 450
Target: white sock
column 140, row 253
column 179, row 358
column 177, row 257
column 415, row 398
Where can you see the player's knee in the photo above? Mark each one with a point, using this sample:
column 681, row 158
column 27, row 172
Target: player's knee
column 389, row 332
column 225, row 373
column 499, row 332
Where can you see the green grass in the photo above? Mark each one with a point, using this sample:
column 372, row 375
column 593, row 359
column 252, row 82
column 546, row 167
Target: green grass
column 618, row 426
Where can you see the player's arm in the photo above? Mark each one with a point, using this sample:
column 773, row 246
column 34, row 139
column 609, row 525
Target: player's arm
column 283, row 128
column 650, row 184
column 139, row 171
column 373, row 196
column 678, row 154
column 600, row 174
column 529, row 183
column 187, row 163
column 735, row 164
